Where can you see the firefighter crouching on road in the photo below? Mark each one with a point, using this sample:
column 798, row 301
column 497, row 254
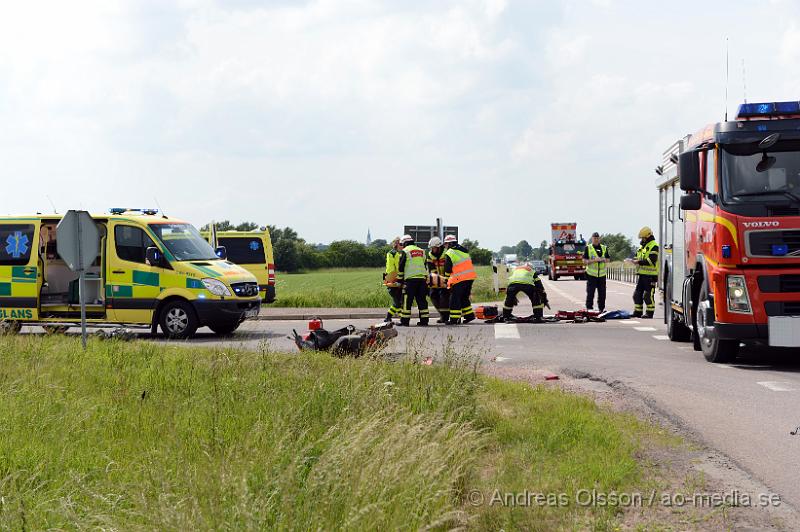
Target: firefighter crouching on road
column 460, row 275
column 647, row 268
column 390, row 279
column 525, row 279
column 437, row 283
column 413, row 275
column 596, row 259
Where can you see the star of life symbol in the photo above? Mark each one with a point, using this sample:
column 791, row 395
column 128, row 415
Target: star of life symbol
column 254, row 245
column 17, row 244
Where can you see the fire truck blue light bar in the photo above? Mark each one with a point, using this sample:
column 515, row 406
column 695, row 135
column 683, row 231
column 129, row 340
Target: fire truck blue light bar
column 768, row 109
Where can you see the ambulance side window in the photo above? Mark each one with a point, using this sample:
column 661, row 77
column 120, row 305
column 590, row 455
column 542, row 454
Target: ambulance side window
column 131, row 243
column 16, row 244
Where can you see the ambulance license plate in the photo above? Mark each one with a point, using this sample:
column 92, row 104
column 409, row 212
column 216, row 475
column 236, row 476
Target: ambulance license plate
column 251, row 313
column 784, row 331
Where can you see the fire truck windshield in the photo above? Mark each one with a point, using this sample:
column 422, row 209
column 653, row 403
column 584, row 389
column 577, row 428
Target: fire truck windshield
column 570, row 248
column 751, row 176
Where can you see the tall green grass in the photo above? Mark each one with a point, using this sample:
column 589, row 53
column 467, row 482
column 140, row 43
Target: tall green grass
column 148, row 436
column 353, row 288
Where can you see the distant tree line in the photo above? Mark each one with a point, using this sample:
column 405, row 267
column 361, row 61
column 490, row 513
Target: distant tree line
column 619, row 247
column 293, row 253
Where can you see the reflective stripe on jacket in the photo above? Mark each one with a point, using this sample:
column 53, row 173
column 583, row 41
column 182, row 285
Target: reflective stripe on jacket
column 522, row 275
column 392, row 262
column 463, row 270
column 414, row 267
column 596, row 269
column 643, row 254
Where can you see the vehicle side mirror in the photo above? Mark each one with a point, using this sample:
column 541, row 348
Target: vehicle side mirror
column 689, row 170
column 153, row 256
column 221, row 252
column 691, row 202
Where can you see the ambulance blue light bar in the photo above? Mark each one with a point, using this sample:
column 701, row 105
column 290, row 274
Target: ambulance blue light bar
column 123, row 210
column 768, row 109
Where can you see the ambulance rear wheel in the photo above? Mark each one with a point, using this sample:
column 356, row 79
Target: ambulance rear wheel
column 178, row 320
column 9, row 327
column 55, row 329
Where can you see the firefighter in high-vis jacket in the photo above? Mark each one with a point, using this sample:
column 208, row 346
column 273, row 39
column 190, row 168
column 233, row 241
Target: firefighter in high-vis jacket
column 596, row 258
column 390, row 279
column 413, row 275
column 460, row 273
column 435, row 262
column 647, row 268
column 524, row 279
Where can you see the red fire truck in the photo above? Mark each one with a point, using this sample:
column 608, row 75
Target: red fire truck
column 730, row 232
column 566, row 251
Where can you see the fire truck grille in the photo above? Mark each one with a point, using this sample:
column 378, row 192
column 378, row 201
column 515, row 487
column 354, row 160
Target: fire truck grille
column 782, row 308
column 775, row 244
column 772, row 284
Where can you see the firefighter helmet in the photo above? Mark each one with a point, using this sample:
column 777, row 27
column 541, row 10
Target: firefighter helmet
column 406, row 239
column 435, row 242
column 645, row 232
column 450, row 239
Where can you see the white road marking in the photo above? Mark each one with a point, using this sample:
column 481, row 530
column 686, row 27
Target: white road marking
column 506, row 330
column 690, row 348
column 645, row 329
column 778, row 386
column 727, row 366
column 500, row 359
column 630, row 322
column 661, row 337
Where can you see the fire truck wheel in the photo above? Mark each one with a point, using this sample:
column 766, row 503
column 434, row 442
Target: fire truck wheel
column 676, row 330
column 714, row 349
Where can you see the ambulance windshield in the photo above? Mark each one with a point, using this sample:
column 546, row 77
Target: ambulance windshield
column 184, row 241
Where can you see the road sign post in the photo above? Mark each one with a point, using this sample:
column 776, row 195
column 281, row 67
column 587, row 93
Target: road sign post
column 78, row 243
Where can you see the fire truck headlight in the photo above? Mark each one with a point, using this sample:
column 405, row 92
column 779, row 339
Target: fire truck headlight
column 738, row 299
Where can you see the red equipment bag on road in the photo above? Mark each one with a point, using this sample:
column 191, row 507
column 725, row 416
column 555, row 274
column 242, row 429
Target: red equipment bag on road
column 486, row 312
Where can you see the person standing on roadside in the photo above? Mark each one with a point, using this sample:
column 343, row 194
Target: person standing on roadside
column 435, row 262
column 413, row 274
column 390, row 279
column 647, row 268
column 596, row 259
column 460, row 274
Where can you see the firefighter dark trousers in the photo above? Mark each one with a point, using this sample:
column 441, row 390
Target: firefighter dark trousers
column 644, row 296
column 441, row 300
column 599, row 284
column 415, row 290
column 512, row 294
column 396, row 293
column 460, row 305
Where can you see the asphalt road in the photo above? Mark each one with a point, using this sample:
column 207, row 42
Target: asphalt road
column 745, row 410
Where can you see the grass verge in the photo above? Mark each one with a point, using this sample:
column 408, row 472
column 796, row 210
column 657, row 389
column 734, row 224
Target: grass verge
column 147, row 436
column 353, row 288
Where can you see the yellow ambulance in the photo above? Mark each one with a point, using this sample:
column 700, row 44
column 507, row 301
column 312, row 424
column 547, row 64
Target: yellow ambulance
column 152, row 271
column 252, row 250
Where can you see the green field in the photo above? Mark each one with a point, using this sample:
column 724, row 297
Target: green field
column 354, row 288
column 147, row 436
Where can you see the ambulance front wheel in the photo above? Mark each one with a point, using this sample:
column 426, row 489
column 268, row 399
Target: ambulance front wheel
column 178, row 320
column 9, row 327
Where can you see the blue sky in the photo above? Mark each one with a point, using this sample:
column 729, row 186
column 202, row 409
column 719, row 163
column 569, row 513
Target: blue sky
column 332, row 117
